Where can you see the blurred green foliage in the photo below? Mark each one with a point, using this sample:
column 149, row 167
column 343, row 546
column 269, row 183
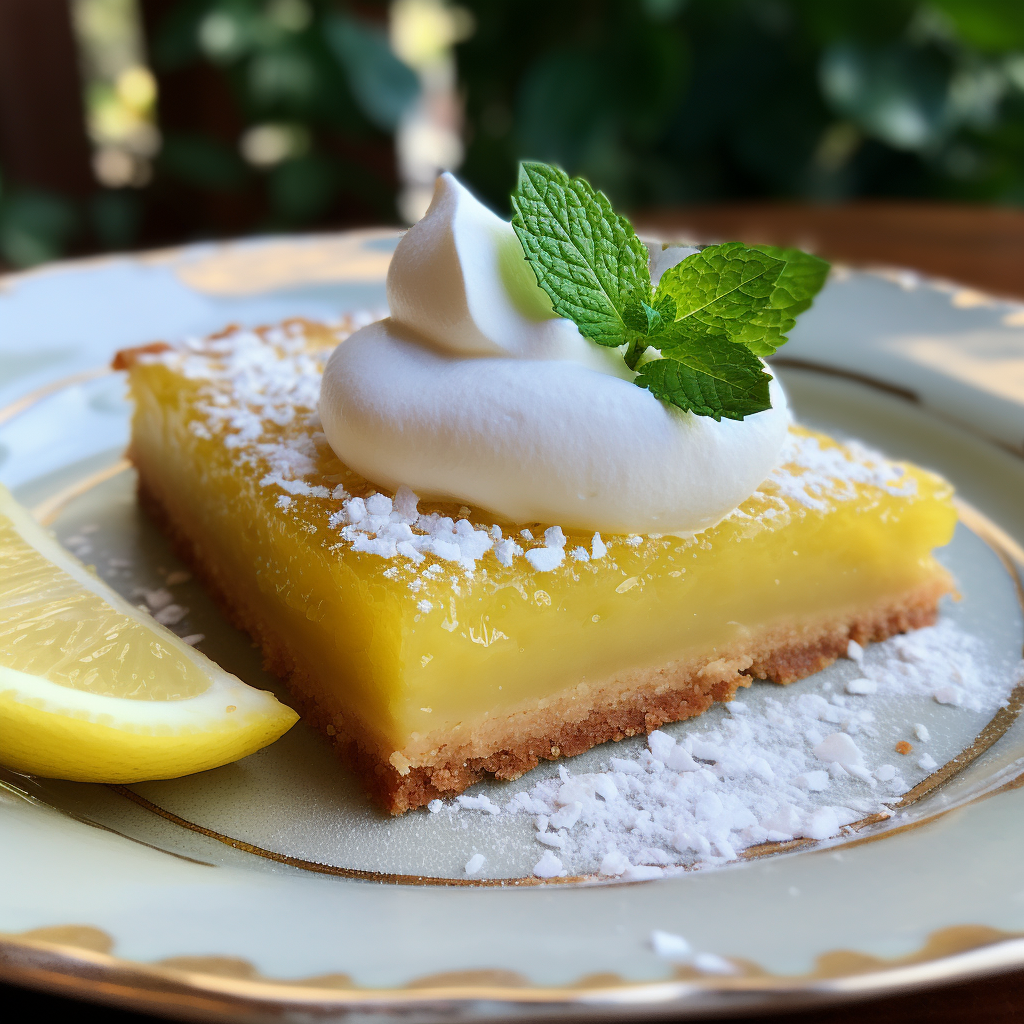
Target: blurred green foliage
column 35, row 225
column 669, row 101
column 274, row 115
column 316, row 95
column 280, row 114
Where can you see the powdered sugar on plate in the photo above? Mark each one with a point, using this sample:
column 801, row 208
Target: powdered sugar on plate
column 703, row 792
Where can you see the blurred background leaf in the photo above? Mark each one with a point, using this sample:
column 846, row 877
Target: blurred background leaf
column 381, row 84
column 35, row 226
column 671, row 102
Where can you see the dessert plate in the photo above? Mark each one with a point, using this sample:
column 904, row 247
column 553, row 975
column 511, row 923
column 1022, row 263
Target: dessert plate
column 270, row 886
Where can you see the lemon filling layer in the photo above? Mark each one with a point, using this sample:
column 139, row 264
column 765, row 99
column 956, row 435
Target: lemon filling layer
column 423, row 631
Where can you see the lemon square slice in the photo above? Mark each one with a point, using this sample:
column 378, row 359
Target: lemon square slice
column 434, row 644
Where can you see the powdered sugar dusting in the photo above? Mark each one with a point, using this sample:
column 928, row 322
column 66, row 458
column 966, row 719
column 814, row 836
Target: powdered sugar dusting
column 817, row 474
column 257, row 395
column 814, row 474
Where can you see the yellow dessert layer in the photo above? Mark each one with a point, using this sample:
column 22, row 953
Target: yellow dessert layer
column 414, row 648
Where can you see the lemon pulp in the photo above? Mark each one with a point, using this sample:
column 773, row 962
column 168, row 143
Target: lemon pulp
column 51, row 625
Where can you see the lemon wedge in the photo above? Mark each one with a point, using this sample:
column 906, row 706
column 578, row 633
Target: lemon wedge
column 93, row 690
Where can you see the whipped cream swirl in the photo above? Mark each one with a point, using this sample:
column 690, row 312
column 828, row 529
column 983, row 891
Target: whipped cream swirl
column 474, row 391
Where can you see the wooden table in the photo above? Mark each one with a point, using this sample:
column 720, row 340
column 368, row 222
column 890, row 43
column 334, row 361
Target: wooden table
column 978, row 246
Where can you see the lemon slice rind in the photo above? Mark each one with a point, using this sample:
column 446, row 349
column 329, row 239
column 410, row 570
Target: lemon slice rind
column 53, row 731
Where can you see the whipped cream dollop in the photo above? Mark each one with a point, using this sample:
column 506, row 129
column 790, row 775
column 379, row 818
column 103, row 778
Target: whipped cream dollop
column 473, row 390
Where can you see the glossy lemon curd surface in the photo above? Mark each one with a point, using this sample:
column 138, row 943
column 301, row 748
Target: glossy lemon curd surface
column 406, row 649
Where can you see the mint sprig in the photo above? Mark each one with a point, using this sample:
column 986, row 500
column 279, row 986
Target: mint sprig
column 720, row 287
column 711, row 318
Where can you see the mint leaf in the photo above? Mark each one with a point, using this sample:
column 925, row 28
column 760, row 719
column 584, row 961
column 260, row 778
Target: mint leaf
column 666, row 307
column 642, row 319
column 585, row 256
column 721, row 286
column 712, row 315
column 752, row 294
column 707, row 374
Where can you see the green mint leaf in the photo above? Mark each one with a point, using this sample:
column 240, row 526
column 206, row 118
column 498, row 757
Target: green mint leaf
column 707, row 374
column 712, row 316
column 752, row 294
column 721, row 287
column 666, row 307
column 585, row 256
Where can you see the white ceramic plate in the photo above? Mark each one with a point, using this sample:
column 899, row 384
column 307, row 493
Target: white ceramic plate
column 270, row 885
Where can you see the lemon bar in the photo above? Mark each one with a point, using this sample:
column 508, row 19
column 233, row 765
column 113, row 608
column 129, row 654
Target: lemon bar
column 434, row 644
